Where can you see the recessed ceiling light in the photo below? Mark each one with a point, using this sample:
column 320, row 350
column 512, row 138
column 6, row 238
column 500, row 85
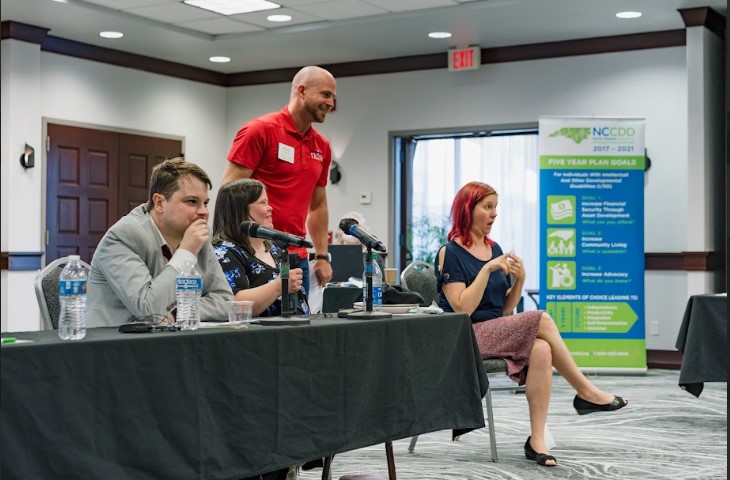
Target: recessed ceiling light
column 220, row 59
column 61, row 1
column 278, row 18
column 111, row 34
column 439, row 35
column 628, row 14
column 233, row 7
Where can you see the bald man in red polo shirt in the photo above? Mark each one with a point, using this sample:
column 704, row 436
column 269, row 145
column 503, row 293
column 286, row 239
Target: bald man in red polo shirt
column 292, row 159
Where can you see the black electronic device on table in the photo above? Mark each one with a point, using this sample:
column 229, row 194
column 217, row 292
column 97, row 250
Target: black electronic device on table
column 347, row 261
column 336, row 298
column 136, row 327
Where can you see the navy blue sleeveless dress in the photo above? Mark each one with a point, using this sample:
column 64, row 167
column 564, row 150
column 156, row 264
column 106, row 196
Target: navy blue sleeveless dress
column 508, row 337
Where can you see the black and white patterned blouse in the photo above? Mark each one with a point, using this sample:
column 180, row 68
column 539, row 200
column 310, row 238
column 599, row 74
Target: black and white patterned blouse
column 243, row 270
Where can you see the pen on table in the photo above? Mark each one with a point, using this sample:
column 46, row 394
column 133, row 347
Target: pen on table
column 9, row 340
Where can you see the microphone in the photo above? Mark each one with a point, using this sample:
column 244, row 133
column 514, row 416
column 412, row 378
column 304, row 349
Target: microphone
column 255, row 230
column 351, row 227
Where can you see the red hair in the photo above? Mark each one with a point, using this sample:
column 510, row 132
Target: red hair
column 463, row 208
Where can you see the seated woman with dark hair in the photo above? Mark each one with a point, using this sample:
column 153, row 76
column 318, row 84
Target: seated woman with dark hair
column 251, row 265
column 473, row 277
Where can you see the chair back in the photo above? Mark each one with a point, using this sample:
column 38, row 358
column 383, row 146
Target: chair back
column 46, row 291
column 419, row 277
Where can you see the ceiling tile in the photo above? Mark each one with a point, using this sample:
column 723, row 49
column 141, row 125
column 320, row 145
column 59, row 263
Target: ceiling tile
column 296, row 3
column 259, row 18
column 219, row 26
column 127, row 4
column 406, row 5
column 173, row 13
column 342, row 9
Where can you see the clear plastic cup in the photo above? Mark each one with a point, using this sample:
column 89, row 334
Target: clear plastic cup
column 240, row 313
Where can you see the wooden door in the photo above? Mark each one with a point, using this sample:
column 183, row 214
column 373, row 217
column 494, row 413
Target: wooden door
column 81, row 191
column 93, row 178
column 138, row 155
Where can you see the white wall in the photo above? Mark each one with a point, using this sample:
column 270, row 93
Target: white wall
column 21, row 188
column 652, row 84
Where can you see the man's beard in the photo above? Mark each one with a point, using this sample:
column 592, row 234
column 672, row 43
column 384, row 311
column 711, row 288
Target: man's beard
column 317, row 114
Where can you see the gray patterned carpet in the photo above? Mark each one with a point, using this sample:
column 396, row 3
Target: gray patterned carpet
column 664, row 433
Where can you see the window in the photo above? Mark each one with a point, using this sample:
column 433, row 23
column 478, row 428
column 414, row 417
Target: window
column 431, row 168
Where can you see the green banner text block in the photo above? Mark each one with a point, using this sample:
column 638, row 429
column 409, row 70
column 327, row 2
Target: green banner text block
column 592, row 317
column 608, row 353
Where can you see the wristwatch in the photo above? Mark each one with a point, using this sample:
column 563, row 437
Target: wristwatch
column 323, row 256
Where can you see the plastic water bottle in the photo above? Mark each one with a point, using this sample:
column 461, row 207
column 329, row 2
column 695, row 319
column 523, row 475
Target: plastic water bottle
column 377, row 284
column 188, row 289
column 72, row 296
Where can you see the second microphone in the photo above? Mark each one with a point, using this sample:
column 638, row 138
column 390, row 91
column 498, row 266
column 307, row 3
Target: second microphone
column 255, row 230
column 351, row 227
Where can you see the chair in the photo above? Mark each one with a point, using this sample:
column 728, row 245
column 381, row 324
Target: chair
column 326, row 471
column 46, row 291
column 419, row 277
column 494, row 368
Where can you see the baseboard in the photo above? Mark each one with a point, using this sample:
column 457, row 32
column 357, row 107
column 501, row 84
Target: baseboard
column 667, row 359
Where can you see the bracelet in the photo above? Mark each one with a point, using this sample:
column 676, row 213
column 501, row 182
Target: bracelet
column 323, row 256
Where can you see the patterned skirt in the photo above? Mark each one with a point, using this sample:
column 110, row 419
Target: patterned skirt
column 510, row 338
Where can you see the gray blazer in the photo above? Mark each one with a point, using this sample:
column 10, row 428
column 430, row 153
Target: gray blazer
column 130, row 278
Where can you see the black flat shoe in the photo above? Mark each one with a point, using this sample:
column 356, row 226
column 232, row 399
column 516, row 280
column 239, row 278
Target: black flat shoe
column 584, row 407
column 540, row 458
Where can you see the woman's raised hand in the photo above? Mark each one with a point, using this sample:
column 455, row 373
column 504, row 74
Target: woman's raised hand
column 499, row 263
column 516, row 267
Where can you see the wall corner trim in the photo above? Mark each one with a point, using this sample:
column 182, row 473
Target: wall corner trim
column 23, row 31
column 704, row 17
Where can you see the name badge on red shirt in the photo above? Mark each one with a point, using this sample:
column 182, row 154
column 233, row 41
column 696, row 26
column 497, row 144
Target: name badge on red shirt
column 286, row 153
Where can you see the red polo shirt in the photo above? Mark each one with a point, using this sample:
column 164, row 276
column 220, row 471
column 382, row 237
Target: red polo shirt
column 288, row 164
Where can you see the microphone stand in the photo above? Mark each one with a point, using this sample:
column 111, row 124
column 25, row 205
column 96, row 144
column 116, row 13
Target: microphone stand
column 368, row 313
column 287, row 309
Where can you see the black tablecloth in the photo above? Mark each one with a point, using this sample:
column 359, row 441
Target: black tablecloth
column 224, row 404
column 702, row 340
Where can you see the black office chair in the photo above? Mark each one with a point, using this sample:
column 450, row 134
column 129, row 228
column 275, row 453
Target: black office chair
column 46, row 291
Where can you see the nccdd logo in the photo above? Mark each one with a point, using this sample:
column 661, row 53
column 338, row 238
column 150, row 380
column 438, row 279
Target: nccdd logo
column 613, row 132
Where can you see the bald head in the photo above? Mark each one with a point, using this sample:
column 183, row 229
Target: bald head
column 312, row 96
column 310, row 76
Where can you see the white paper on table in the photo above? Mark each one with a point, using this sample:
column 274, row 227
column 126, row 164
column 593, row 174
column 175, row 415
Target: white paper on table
column 314, row 297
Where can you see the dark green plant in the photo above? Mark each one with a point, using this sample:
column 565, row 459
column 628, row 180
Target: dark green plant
column 425, row 236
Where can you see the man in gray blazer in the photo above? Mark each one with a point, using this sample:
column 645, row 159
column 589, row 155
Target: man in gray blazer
column 135, row 266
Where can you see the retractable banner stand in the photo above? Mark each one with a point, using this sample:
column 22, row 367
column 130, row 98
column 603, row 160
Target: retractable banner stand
column 592, row 238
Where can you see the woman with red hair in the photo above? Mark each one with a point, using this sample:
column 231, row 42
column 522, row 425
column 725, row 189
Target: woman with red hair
column 476, row 277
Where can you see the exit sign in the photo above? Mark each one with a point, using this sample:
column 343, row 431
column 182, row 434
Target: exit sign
column 468, row 58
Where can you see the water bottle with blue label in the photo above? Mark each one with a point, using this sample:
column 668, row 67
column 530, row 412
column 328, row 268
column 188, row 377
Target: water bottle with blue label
column 72, row 296
column 188, row 290
column 377, row 282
